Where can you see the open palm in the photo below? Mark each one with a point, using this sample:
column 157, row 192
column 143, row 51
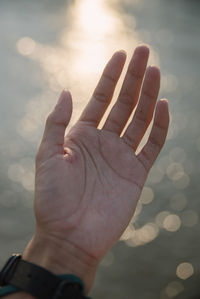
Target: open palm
column 89, row 181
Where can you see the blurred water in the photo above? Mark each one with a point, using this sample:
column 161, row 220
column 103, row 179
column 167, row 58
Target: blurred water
column 50, row 45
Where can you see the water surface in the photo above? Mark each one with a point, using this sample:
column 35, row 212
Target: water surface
column 47, row 46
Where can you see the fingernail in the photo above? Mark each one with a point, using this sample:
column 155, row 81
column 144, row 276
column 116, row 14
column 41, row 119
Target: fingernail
column 144, row 45
column 122, row 51
column 154, row 65
column 164, row 100
column 154, row 69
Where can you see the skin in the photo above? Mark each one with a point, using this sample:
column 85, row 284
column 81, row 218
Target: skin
column 88, row 182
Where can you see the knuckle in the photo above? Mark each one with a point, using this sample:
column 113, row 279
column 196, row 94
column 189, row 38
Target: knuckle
column 114, row 123
column 141, row 120
column 126, row 99
column 134, row 75
column 155, row 142
column 128, row 140
column 100, row 97
column 145, row 160
column 53, row 119
column 149, row 96
column 160, row 127
column 109, row 78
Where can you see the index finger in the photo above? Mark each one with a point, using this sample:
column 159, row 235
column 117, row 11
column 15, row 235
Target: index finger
column 103, row 93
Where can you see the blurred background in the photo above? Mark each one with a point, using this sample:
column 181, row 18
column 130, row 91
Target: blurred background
column 50, row 45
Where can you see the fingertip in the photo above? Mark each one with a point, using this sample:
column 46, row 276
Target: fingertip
column 64, row 96
column 66, row 92
column 164, row 100
column 162, row 112
column 63, row 109
column 142, row 49
column 120, row 54
column 154, row 70
column 61, row 97
column 163, row 104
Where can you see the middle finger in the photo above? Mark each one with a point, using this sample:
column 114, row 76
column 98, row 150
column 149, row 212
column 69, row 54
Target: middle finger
column 129, row 93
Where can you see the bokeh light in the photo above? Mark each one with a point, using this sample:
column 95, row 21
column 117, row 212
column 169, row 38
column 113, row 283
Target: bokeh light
column 147, row 196
column 182, row 182
column 143, row 235
column 172, row 223
column 160, row 217
column 174, row 288
column 175, row 171
column 26, row 45
column 184, row 270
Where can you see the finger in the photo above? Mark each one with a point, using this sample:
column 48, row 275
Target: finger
column 56, row 123
column 129, row 93
column 157, row 137
column 144, row 111
column 104, row 91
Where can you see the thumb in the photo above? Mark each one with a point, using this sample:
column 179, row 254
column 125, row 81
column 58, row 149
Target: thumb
column 56, row 123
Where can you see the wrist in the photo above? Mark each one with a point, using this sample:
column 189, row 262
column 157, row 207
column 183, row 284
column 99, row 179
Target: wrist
column 61, row 257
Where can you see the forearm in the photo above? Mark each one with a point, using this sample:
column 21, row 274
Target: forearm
column 59, row 258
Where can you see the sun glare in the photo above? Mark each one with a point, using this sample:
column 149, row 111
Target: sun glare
column 94, row 18
column 91, row 35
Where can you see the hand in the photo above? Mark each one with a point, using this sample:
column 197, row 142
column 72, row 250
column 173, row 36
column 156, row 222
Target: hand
column 88, row 182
